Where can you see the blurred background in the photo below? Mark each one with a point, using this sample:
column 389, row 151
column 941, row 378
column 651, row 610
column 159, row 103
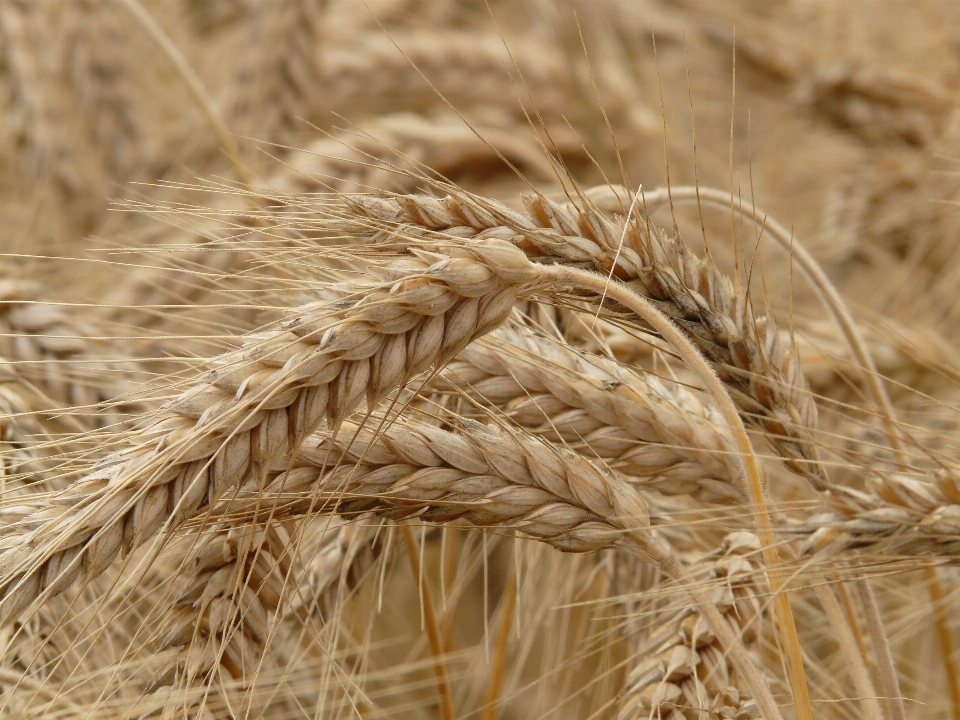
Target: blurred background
column 841, row 122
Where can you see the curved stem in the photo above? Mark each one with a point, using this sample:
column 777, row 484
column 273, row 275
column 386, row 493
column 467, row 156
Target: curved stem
column 814, row 273
column 752, row 470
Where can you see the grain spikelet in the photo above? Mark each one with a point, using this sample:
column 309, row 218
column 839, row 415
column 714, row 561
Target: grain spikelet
column 898, row 514
column 222, row 618
column 394, row 152
column 469, row 69
column 55, row 351
column 486, row 476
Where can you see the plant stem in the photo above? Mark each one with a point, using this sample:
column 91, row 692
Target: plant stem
column 430, row 620
column 851, row 650
column 943, row 636
column 499, row 660
column 889, row 683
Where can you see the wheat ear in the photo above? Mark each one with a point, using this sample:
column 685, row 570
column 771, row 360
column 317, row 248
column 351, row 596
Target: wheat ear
column 221, row 618
column 244, row 598
column 662, row 435
column 55, row 352
column 681, row 667
column 489, row 477
column 811, row 268
column 257, row 404
column 20, row 462
column 762, row 374
column 898, row 514
column 336, row 560
column 397, row 152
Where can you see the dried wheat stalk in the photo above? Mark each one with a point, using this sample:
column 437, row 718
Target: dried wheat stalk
column 364, row 341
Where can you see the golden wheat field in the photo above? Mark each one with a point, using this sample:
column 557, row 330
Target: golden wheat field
column 479, row 359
